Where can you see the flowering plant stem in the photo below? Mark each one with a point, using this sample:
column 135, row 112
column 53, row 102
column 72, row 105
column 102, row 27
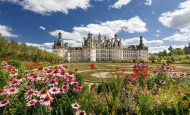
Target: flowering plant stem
column 111, row 100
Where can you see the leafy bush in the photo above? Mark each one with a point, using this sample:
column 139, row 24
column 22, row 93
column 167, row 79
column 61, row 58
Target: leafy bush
column 142, row 61
column 169, row 61
column 153, row 61
column 134, row 60
column 187, row 57
column 14, row 63
column 173, row 59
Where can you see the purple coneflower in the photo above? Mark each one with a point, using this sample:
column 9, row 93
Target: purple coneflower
column 61, row 91
column 2, row 91
column 162, row 82
column 46, row 101
column 52, row 82
column 32, row 102
column 79, row 112
column 12, row 91
column 13, row 74
column 4, row 102
column 65, row 87
column 54, row 90
column 79, row 86
column 75, row 106
column 28, row 95
column 43, row 93
column 35, row 78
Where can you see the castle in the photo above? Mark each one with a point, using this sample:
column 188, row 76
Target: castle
column 93, row 50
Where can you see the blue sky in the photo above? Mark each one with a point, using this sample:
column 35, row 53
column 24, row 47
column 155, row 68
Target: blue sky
column 161, row 23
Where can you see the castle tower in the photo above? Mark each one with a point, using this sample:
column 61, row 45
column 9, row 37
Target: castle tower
column 115, row 37
column 60, row 36
column 141, row 40
column 99, row 38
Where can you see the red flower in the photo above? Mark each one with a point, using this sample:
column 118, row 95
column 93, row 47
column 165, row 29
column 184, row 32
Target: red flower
column 92, row 66
column 123, row 70
column 117, row 67
column 144, row 72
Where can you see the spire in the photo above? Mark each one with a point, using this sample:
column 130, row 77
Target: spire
column 141, row 40
column 60, row 36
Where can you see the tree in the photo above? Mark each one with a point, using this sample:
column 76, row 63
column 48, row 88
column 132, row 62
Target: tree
column 5, row 49
column 170, row 49
column 179, row 51
column 25, row 52
column 15, row 49
column 165, row 53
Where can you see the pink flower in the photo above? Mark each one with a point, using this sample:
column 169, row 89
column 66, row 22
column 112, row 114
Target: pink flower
column 65, row 87
column 12, row 91
column 173, row 80
column 162, row 82
column 35, row 78
column 15, row 82
column 28, row 95
column 13, row 74
column 54, row 90
column 61, row 91
column 79, row 112
column 32, row 102
column 46, row 101
column 79, row 86
column 75, row 106
column 56, row 73
column 76, row 89
column 2, row 91
column 52, row 82
column 4, row 102
column 43, row 93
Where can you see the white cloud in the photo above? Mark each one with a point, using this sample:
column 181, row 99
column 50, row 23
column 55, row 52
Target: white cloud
column 45, row 7
column 5, row 31
column 157, row 30
column 178, row 37
column 108, row 29
column 162, row 48
column 179, row 18
column 82, row 25
column 148, row 2
column 0, row 12
column 136, row 41
column 119, row 4
column 152, row 12
column 98, row 0
column 131, row 10
column 157, row 35
column 41, row 27
column 45, row 46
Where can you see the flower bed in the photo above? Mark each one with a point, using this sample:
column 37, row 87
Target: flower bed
column 145, row 91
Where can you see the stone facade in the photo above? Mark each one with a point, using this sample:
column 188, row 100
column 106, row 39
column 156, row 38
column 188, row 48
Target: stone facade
column 95, row 50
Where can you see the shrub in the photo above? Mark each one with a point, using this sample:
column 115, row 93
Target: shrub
column 134, row 60
column 153, row 61
column 142, row 61
column 14, row 63
column 187, row 57
column 169, row 61
column 173, row 59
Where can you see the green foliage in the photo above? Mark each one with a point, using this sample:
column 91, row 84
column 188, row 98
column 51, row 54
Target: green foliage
column 169, row 61
column 187, row 57
column 134, row 60
column 79, row 78
column 153, row 61
column 14, row 63
column 13, row 50
column 173, row 59
column 107, row 85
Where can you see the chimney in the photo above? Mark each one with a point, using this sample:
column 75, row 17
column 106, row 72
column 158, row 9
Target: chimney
column 141, row 40
column 104, row 39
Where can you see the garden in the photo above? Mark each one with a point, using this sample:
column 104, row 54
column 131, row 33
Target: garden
column 35, row 89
